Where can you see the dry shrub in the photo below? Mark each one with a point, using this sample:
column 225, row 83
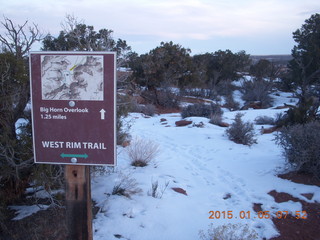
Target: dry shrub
column 201, row 110
column 142, row 151
column 126, row 186
column 257, row 90
column 241, row 132
column 124, row 105
column 148, row 109
column 229, row 232
column 216, row 119
column 301, row 146
column 264, row 120
column 168, row 99
column 231, row 104
column 156, row 191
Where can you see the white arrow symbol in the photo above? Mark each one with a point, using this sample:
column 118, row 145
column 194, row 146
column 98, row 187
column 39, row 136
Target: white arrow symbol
column 102, row 111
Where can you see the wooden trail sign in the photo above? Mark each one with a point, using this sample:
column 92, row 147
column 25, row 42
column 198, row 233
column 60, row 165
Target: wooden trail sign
column 73, row 102
column 73, row 107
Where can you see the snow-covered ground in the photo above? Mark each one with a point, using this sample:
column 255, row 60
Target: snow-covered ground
column 217, row 175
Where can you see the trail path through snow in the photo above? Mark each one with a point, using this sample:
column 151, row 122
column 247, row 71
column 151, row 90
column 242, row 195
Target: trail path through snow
column 217, row 174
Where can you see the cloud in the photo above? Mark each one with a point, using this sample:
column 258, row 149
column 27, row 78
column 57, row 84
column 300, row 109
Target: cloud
column 177, row 20
column 199, row 19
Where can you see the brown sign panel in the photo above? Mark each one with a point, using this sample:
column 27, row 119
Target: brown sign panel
column 73, row 107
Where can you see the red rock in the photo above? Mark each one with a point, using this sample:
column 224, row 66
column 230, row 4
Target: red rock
column 182, row 123
column 223, row 124
column 180, row 190
column 163, row 120
column 125, row 143
column 308, row 195
column 254, row 105
column 269, row 130
column 281, row 107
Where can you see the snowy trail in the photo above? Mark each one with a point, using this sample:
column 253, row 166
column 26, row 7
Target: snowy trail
column 217, row 175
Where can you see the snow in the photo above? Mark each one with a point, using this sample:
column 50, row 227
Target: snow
column 25, row 211
column 20, row 123
column 217, row 174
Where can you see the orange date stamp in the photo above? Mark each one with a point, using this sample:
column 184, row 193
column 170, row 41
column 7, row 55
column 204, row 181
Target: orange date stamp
column 258, row 215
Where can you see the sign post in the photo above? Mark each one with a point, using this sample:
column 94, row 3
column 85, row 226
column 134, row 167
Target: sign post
column 78, row 202
column 73, row 121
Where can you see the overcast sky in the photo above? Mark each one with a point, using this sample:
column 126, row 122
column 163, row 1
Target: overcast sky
column 257, row 26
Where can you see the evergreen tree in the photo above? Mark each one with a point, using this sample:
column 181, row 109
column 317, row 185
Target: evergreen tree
column 305, row 66
column 16, row 157
column 167, row 65
column 220, row 66
column 265, row 69
column 77, row 36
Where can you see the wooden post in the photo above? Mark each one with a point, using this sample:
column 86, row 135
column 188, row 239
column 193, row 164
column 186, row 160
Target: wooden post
column 78, row 202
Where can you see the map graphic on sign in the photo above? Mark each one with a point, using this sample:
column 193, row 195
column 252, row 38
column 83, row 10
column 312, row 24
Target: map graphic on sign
column 72, row 77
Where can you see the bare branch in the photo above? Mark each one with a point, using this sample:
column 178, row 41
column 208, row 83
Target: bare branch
column 18, row 39
column 70, row 23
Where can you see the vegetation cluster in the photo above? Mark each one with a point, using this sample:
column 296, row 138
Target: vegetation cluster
column 153, row 82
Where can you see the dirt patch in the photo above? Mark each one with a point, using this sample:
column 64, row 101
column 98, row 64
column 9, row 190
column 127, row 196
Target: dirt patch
column 294, row 227
column 163, row 110
column 301, row 178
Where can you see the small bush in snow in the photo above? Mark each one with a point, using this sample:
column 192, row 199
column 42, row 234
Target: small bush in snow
column 155, row 191
column 264, row 120
column 148, row 109
column 168, row 99
column 216, row 119
column 229, row 232
column 126, row 186
column 301, row 146
column 123, row 129
column 231, row 104
column 241, row 132
column 257, row 91
column 123, row 126
column 142, row 151
column 201, row 110
column 280, row 119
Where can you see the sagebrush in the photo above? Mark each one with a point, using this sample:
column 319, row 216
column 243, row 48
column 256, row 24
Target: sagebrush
column 229, row 232
column 264, row 120
column 241, row 132
column 216, row 119
column 201, row 110
column 142, row 151
column 147, row 109
column 231, row 104
column 123, row 126
column 126, row 186
column 301, row 146
column 257, row 91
